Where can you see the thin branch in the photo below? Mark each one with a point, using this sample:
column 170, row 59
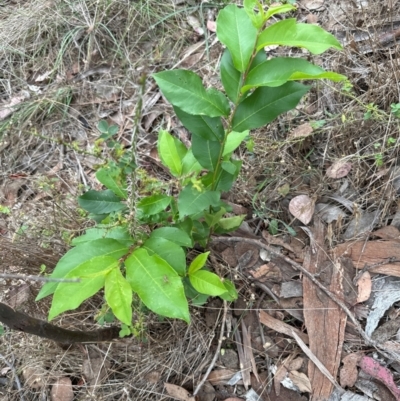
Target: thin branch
column 218, row 350
column 17, row 381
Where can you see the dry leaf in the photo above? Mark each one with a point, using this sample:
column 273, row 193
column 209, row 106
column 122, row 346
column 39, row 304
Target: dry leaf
column 178, row 392
column 220, row 377
column 302, row 207
column 349, row 372
column 62, row 390
column 364, row 284
column 301, row 131
column 7, row 109
column 313, row 4
column 212, row 26
column 33, row 377
column 339, row 169
column 329, row 213
column 195, row 24
column 301, row 381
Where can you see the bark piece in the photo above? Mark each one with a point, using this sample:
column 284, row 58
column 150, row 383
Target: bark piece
column 324, row 320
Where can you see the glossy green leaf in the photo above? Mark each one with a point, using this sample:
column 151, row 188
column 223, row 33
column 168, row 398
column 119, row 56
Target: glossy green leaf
column 237, row 32
column 256, row 17
column 118, row 294
column 191, row 201
column 279, row 9
column 198, row 262
column 207, row 283
column 190, row 164
column 231, row 293
column 69, row 296
column 232, row 78
column 233, row 141
column 173, row 234
column 229, row 167
column 226, row 179
column 172, row 253
column 209, row 128
column 80, row 255
column 185, row 90
column 112, row 178
column 207, row 153
column 171, row 151
column 277, row 71
column 265, row 104
column 157, row 284
column 118, row 233
column 154, row 204
column 100, row 202
column 290, row 33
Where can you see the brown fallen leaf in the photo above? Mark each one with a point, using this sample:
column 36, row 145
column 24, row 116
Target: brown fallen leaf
column 300, row 380
column 301, row 131
column 220, row 377
column 387, row 232
column 178, row 392
column 280, row 327
column 349, row 371
column 364, row 284
column 339, row 169
column 62, row 390
column 302, row 207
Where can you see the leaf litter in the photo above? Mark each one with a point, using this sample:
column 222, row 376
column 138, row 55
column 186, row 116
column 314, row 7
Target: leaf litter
column 356, row 195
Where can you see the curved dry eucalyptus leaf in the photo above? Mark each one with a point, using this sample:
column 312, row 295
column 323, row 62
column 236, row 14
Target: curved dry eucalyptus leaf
column 364, row 284
column 302, row 207
column 361, row 225
column 339, row 169
column 195, row 24
column 329, row 213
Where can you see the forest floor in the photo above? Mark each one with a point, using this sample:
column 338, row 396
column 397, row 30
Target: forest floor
column 66, row 65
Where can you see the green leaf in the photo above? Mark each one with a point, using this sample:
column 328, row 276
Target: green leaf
column 213, row 218
column 265, row 104
column 113, row 179
column 198, row 262
column 230, row 223
column 237, row 32
column 256, row 18
column 229, row 167
column 102, row 126
column 154, row 204
column 119, row 233
column 207, row 283
column 173, row 234
column 157, row 284
column 80, row 255
column 233, row 141
column 185, row 90
column 100, row 202
column 231, row 78
column 172, row 253
column 289, row 33
column 231, row 293
column 283, row 8
column 190, row 164
column 191, row 201
column 279, row 70
column 118, row 294
column 207, row 153
column 171, row 151
column 69, row 296
column 209, row 128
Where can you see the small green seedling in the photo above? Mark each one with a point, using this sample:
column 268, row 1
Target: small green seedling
column 156, row 262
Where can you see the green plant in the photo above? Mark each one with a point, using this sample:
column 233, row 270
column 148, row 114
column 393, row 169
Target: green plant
column 151, row 259
column 395, row 109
